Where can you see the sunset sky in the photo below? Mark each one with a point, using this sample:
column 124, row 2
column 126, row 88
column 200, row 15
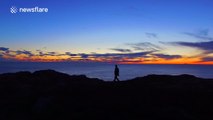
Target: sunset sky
column 123, row 31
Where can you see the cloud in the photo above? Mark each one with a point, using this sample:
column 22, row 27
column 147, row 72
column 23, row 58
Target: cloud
column 144, row 46
column 41, row 53
column 122, row 55
column 29, row 53
column 51, row 53
column 4, row 49
column 207, row 59
column 204, row 32
column 168, row 57
column 202, row 35
column 83, row 55
column 135, row 57
column 207, row 46
column 151, row 35
column 121, row 50
column 70, row 54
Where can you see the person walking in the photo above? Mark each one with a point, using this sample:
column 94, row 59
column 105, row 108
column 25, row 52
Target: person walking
column 116, row 73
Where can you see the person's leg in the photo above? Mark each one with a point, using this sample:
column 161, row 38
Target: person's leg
column 114, row 78
column 117, row 78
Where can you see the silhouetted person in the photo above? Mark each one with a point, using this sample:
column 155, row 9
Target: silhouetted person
column 116, row 73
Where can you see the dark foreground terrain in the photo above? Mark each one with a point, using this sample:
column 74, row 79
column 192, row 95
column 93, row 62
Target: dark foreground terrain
column 50, row 95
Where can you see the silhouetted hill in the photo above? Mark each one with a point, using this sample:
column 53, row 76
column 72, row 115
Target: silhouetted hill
column 48, row 94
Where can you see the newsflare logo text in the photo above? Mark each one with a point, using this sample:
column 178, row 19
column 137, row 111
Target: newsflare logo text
column 36, row 9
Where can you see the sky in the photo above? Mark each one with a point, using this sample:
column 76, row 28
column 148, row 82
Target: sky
column 118, row 31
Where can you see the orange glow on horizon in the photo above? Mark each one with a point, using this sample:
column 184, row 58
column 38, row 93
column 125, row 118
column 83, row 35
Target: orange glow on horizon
column 137, row 60
column 149, row 59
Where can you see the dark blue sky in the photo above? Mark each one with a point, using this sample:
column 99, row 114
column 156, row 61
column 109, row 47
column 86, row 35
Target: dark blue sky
column 88, row 26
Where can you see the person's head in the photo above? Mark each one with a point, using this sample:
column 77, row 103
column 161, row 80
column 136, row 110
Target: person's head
column 116, row 66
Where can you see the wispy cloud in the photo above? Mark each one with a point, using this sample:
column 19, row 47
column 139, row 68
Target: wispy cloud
column 198, row 36
column 29, row 53
column 207, row 59
column 153, row 56
column 123, row 55
column 207, row 46
column 204, row 32
column 168, row 57
column 84, row 55
column 144, row 46
column 151, row 35
column 201, row 34
column 39, row 55
column 70, row 54
column 4, row 49
column 121, row 50
column 52, row 53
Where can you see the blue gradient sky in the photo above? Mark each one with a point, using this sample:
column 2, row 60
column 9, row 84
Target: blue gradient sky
column 88, row 26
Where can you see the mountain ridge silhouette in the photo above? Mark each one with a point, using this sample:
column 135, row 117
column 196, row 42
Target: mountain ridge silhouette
column 48, row 94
